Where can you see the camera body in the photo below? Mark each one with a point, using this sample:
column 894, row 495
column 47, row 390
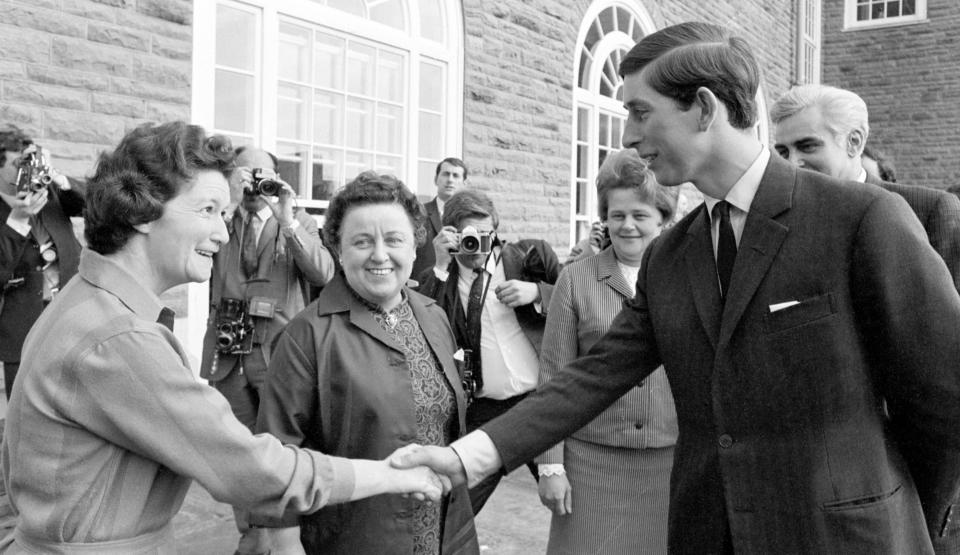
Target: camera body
column 264, row 183
column 473, row 241
column 33, row 173
column 234, row 327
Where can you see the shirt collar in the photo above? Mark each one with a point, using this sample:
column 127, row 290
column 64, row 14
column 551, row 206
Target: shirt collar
column 440, row 205
column 105, row 273
column 742, row 193
column 862, row 177
column 264, row 213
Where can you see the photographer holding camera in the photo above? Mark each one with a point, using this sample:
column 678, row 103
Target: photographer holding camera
column 495, row 295
column 38, row 251
column 260, row 281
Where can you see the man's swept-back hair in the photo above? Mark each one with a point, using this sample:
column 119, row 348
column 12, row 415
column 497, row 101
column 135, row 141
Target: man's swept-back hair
column 12, row 139
column 684, row 57
column 469, row 204
column 149, row 167
column 843, row 111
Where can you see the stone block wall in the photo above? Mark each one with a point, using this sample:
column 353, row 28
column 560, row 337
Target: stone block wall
column 518, row 94
column 909, row 76
column 76, row 75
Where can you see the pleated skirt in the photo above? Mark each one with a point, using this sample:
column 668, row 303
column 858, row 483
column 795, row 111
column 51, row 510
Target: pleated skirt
column 620, row 501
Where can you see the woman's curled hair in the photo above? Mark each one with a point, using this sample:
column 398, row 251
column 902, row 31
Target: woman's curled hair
column 147, row 169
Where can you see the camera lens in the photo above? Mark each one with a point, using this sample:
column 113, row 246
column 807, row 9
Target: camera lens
column 269, row 187
column 469, row 244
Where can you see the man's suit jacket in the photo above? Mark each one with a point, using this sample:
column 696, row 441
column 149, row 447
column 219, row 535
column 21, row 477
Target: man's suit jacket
column 426, row 257
column 528, row 260
column 818, row 428
column 939, row 212
column 20, row 257
column 286, row 268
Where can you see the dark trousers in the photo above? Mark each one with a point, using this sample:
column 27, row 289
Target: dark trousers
column 481, row 411
column 9, row 373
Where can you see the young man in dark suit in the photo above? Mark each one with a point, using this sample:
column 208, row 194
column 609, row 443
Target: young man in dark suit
column 808, row 330
column 825, row 129
column 450, row 176
column 496, row 297
column 39, row 252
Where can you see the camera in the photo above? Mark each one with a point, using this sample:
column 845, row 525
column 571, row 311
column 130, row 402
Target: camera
column 33, row 173
column 264, row 183
column 234, row 327
column 473, row 241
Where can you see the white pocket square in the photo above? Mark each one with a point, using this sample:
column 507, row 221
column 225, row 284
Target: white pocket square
column 776, row 307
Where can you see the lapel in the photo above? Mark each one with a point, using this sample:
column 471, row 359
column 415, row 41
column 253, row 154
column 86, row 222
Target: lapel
column 609, row 272
column 268, row 236
column 433, row 213
column 512, row 259
column 762, row 237
column 338, row 298
column 701, row 270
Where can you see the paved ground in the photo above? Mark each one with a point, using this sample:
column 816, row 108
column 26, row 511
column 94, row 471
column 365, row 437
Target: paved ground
column 512, row 523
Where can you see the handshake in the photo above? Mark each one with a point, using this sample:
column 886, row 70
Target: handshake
column 425, row 472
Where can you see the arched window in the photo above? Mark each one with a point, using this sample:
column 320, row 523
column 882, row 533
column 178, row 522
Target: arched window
column 609, row 31
column 333, row 87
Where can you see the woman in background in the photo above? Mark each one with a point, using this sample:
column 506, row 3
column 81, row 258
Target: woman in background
column 366, row 369
column 608, row 484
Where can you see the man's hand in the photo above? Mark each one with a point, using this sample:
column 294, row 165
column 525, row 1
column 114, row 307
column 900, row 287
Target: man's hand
column 283, row 207
column 442, row 460
column 556, row 494
column 515, row 293
column 447, row 239
column 25, row 204
column 596, row 236
column 241, row 178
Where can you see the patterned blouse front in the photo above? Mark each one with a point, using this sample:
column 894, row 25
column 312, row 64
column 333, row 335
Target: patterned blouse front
column 435, row 404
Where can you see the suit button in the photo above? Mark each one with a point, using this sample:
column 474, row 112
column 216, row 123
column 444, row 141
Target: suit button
column 725, row 441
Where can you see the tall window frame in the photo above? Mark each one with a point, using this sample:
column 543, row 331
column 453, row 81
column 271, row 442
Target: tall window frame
column 608, row 31
column 423, row 115
column 871, row 14
column 808, row 41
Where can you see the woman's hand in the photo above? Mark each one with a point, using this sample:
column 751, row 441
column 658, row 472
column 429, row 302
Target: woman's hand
column 556, row 494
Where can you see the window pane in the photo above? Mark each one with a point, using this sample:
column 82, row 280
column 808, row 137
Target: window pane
column 389, row 129
column 432, row 87
column 604, row 133
column 327, row 117
column 357, row 162
column 582, row 161
column 392, row 165
column 623, row 20
column 327, row 172
column 390, row 83
column 425, row 179
column 293, row 60
column 389, row 12
column 359, row 124
column 581, row 197
column 863, row 12
column 291, row 111
column 893, row 9
column 606, row 19
column 233, row 110
column 431, row 20
column 292, row 158
column 236, row 34
column 350, row 6
column 431, row 136
column 877, row 11
column 616, row 132
column 360, row 61
column 909, row 7
column 328, row 60
column 583, row 123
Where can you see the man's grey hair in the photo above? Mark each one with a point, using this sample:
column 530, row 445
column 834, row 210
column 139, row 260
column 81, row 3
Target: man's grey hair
column 843, row 111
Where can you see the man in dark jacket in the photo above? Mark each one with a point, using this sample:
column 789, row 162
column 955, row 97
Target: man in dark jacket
column 39, row 252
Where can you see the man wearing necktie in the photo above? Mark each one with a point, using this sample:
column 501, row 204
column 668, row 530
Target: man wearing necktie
column 39, row 252
column 273, row 256
column 496, row 302
column 818, row 393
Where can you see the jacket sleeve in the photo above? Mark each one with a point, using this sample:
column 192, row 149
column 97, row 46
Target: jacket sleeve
column 311, row 257
column 910, row 311
column 136, row 390
column 551, row 266
column 560, row 346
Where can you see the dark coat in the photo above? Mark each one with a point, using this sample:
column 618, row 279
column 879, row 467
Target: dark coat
column 20, row 257
column 939, row 212
column 831, row 426
column 426, row 257
column 530, row 260
column 339, row 384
